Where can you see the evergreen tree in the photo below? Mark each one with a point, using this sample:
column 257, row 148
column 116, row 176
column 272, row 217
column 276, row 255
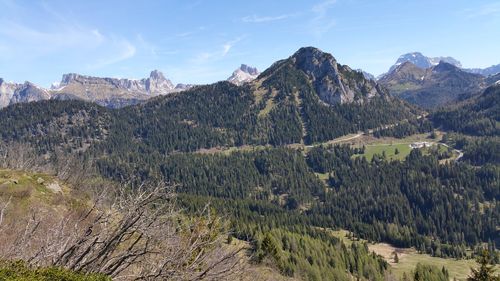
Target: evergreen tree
column 485, row 272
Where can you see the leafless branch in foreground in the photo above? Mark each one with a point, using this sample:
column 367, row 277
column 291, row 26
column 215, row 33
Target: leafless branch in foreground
column 127, row 234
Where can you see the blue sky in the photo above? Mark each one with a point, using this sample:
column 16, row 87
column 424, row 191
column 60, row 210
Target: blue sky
column 203, row 41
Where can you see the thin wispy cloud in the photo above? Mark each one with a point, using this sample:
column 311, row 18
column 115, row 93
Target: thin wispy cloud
column 484, row 10
column 190, row 33
column 222, row 51
column 262, row 19
column 122, row 50
column 229, row 44
column 185, row 34
column 62, row 35
column 40, row 42
column 321, row 23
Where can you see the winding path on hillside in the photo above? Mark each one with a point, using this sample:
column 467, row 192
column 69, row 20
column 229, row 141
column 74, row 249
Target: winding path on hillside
column 460, row 152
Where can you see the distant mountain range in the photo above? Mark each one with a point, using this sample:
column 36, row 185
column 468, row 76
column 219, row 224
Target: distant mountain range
column 305, row 98
column 423, row 61
column 434, row 82
column 109, row 92
column 425, row 81
column 432, row 87
column 492, row 70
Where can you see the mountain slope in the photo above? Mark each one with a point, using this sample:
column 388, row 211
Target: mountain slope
column 493, row 79
column 432, row 87
column 367, row 74
column 479, row 115
column 329, row 99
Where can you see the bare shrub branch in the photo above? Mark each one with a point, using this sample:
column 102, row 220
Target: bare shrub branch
column 127, row 234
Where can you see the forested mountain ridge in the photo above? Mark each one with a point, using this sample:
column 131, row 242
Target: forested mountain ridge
column 479, row 115
column 305, row 98
column 474, row 126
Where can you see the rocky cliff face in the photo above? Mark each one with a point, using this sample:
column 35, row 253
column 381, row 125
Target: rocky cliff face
column 155, row 84
column 29, row 92
column 113, row 92
column 6, row 92
column 333, row 82
column 11, row 93
column 109, row 92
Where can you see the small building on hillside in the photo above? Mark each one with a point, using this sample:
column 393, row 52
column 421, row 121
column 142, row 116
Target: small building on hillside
column 420, row 144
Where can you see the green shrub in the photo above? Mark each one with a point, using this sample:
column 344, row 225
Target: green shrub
column 19, row 270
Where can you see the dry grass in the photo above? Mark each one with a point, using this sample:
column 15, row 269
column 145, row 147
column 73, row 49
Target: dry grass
column 409, row 257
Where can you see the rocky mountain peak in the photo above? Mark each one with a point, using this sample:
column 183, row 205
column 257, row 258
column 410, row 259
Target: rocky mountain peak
column 243, row 74
column 308, row 58
column 28, row 92
column 333, row 82
column 157, row 84
column 68, row 78
column 157, row 75
column 248, row 69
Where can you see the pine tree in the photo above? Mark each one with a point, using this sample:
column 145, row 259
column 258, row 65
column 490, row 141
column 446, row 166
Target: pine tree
column 485, row 272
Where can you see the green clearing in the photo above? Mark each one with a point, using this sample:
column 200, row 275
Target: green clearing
column 388, row 149
column 458, row 269
column 409, row 257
